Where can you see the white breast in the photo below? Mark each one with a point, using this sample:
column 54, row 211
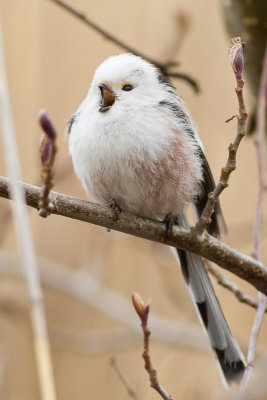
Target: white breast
column 116, row 155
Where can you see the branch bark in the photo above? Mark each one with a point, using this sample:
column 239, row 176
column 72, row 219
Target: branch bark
column 247, row 268
column 164, row 67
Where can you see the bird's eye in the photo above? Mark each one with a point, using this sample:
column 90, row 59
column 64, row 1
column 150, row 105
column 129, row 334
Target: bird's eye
column 127, row 87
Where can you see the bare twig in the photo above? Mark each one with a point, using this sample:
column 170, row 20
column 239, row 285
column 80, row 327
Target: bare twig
column 48, row 150
column 88, row 290
column 130, row 390
column 259, row 141
column 232, row 287
column 178, row 75
column 236, row 57
column 211, row 248
column 230, row 119
column 142, row 311
column 24, row 239
column 164, row 68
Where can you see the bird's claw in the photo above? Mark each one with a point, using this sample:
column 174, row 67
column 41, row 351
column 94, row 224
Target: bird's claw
column 115, row 207
column 170, row 220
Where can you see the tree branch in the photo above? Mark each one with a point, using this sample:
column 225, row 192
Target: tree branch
column 165, row 68
column 211, row 248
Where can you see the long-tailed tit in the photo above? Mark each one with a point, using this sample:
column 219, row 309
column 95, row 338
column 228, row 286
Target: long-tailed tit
column 133, row 142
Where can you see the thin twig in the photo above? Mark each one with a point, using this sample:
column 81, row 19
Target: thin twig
column 24, row 238
column 142, row 311
column 130, row 390
column 178, row 75
column 236, row 56
column 164, row 68
column 48, row 151
column 230, row 119
column 244, row 267
column 232, row 287
column 259, row 142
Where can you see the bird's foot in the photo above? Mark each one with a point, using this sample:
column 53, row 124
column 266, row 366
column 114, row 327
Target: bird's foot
column 170, row 220
column 115, row 207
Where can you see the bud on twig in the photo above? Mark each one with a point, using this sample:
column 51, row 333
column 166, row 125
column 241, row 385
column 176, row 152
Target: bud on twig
column 48, row 141
column 141, row 308
column 47, row 125
column 236, row 54
column 48, row 150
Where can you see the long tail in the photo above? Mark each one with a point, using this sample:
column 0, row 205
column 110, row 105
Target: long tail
column 226, row 349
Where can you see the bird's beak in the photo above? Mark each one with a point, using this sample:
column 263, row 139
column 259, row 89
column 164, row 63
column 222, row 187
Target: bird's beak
column 108, row 98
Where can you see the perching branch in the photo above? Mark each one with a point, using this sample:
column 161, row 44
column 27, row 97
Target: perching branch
column 142, row 311
column 211, row 248
column 164, row 68
column 236, row 57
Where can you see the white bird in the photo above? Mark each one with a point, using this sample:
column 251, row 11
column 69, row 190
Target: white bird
column 134, row 145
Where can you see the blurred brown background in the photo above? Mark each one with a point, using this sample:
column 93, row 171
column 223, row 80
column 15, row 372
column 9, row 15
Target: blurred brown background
column 89, row 274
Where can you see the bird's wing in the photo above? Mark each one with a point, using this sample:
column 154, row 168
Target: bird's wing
column 175, row 104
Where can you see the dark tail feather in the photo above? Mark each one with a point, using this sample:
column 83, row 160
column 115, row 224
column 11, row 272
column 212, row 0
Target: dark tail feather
column 226, row 350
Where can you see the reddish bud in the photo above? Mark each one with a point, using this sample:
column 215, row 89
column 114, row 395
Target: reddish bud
column 47, row 126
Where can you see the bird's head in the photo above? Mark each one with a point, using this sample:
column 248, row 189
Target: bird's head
column 123, row 81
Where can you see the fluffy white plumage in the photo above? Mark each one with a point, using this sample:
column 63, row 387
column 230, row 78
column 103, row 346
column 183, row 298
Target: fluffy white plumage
column 133, row 141
column 137, row 151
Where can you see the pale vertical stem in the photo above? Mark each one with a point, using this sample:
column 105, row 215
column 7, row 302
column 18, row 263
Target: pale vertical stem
column 24, row 238
column 259, row 142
